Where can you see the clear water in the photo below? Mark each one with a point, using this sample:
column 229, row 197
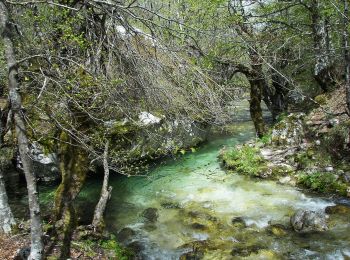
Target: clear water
column 204, row 194
column 206, row 200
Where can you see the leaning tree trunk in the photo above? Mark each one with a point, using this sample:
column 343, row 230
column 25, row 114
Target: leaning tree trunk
column 73, row 162
column 22, row 140
column 98, row 222
column 6, row 216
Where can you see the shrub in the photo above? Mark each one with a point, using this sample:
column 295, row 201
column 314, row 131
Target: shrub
column 246, row 160
column 322, row 182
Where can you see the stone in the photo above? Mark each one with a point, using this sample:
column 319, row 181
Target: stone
column 238, row 222
column 277, row 230
column 150, row 214
column 146, row 119
column 305, row 221
column 333, row 122
column 329, row 168
column 45, row 166
column 338, row 209
column 245, row 251
column 346, row 177
column 289, row 131
column 125, row 234
column 198, row 226
column 170, row 205
column 22, row 254
column 196, row 255
column 285, row 180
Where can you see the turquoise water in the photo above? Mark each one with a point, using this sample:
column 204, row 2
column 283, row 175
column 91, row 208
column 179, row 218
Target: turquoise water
column 196, row 201
column 204, row 199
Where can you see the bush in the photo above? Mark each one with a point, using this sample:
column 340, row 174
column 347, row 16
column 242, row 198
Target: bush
column 246, row 160
column 322, row 182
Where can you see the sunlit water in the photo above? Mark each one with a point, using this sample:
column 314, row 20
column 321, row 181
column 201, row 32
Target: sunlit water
column 200, row 192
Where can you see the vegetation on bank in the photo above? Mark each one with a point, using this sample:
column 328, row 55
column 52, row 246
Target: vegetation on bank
column 312, row 151
column 144, row 78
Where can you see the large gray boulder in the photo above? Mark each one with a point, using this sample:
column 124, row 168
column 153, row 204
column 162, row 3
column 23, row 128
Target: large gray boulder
column 290, row 131
column 45, row 165
column 305, row 221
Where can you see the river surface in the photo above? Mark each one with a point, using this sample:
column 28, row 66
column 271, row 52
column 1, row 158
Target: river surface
column 196, row 201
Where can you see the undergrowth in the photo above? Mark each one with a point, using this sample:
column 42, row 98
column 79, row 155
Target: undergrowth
column 246, row 160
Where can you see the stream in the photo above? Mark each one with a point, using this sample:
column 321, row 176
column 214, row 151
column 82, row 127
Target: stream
column 197, row 203
column 191, row 203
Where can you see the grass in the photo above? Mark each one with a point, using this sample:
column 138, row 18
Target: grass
column 246, row 160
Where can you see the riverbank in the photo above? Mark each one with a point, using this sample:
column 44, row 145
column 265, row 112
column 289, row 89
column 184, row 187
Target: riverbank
column 309, row 151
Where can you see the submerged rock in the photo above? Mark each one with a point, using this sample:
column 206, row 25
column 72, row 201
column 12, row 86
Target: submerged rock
column 125, row 234
column 304, row 221
column 244, row 250
column 238, row 222
column 278, row 230
column 192, row 255
column 170, row 205
column 198, row 226
column 150, row 214
column 338, row 209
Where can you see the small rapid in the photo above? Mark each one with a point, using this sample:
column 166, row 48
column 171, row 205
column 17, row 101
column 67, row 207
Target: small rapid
column 194, row 201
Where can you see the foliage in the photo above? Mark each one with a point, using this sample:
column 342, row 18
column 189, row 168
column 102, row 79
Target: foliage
column 246, row 160
column 322, row 182
column 120, row 252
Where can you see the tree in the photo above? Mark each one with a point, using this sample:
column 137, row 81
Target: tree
column 21, row 134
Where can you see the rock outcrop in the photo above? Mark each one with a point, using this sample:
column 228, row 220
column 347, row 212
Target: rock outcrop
column 306, row 221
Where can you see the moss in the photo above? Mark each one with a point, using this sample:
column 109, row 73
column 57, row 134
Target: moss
column 321, row 99
column 246, row 160
column 322, row 182
column 120, row 252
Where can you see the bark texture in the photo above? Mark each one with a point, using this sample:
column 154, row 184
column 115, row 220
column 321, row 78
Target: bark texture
column 22, row 140
column 324, row 63
column 73, row 161
column 346, row 52
column 98, row 221
column 6, row 217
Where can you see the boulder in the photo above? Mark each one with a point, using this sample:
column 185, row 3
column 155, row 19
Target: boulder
column 238, row 222
column 290, row 131
column 277, row 230
column 245, row 251
column 125, row 234
column 338, row 209
column 45, row 165
column 150, row 214
column 305, row 221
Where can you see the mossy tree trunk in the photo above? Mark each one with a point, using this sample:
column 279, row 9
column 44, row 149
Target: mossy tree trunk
column 98, row 221
column 346, row 52
column 73, row 167
column 21, row 134
column 255, row 107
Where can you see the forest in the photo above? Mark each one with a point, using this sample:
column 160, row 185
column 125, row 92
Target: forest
column 174, row 129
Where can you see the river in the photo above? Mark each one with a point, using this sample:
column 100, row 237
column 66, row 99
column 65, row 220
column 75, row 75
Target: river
column 195, row 200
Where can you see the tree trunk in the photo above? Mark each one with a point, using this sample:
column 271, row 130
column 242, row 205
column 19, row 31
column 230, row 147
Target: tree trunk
column 98, row 221
column 22, row 140
column 255, row 107
column 323, row 70
column 73, row 161
column 346, row 52
column 6, row 216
